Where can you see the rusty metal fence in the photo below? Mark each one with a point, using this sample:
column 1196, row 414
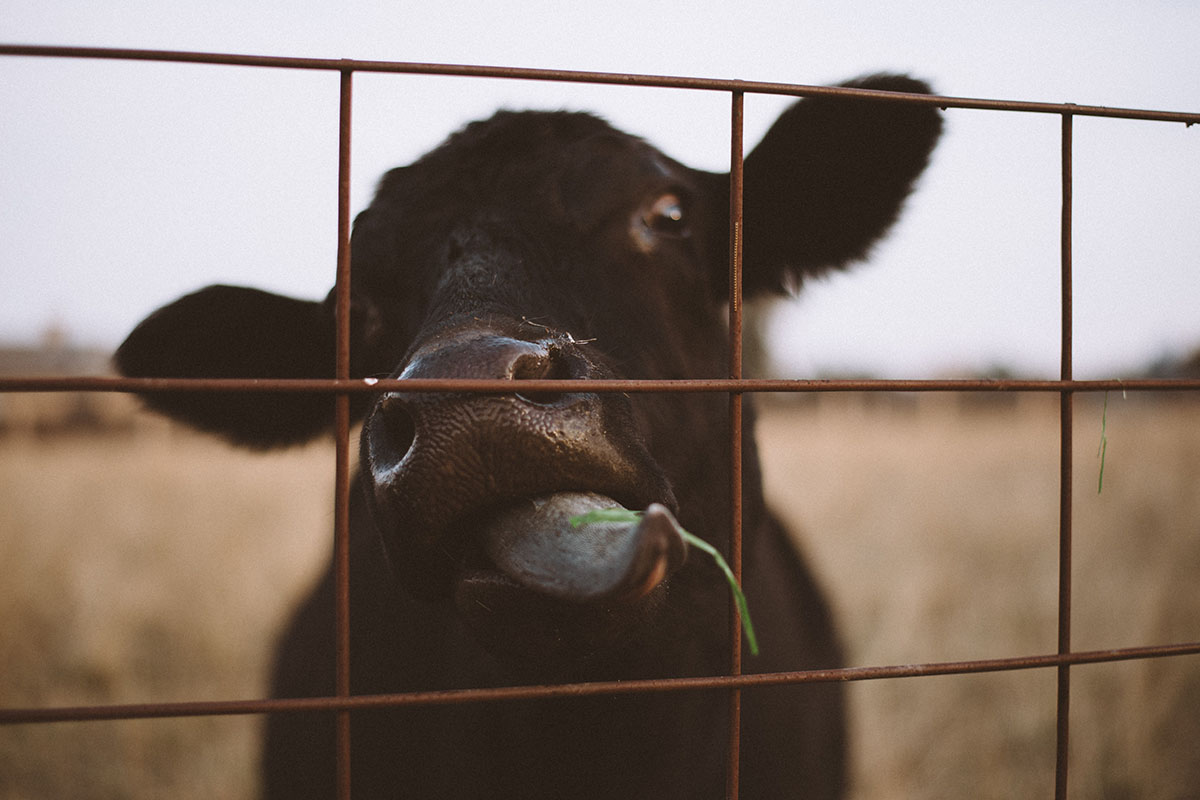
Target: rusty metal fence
column 343, row 703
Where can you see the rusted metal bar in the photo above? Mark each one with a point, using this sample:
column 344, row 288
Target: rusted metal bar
column 733, row 768
column 1066, row 422
column 576, row 76
column 341, row 537
column 14, row 716
column 494, row 386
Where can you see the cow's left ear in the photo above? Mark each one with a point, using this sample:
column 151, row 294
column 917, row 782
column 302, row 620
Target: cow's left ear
column 830, row 178
column 234, row 332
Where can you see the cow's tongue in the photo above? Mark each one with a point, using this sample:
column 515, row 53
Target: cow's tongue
column 535, row 545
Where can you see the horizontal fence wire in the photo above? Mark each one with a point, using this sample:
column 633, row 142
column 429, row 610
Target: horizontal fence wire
column 342, row 387
column 576, row 76
column 504, row 386
column 10, row 716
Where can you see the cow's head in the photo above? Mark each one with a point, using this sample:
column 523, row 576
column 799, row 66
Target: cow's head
column 545, row 245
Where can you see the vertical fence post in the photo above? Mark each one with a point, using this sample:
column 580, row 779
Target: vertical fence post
column 341, row 556
column 1066, row 422
column 735, row 433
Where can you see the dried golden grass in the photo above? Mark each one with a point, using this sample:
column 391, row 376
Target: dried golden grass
column 935, row 527
column 160, row 566
column 149, row 568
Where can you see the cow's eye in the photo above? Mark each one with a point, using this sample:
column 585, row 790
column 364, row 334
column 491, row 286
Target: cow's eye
column 666, row 216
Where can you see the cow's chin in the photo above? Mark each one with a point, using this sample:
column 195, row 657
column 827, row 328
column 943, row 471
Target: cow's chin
column 552, row 586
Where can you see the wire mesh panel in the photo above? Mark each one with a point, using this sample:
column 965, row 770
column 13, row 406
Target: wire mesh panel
column 343, row 704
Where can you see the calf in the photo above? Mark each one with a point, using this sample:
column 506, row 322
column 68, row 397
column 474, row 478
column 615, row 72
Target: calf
column 550, row 245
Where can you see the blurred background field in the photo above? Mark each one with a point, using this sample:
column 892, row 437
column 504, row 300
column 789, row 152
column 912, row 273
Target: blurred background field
column 146, row 563
column 934, row 521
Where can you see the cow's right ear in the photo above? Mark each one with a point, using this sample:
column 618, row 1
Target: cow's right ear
column 234, row 332
column 830, row 178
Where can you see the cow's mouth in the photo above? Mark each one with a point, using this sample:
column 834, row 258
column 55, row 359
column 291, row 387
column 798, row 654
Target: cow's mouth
column 541, row 571
column 541, row 544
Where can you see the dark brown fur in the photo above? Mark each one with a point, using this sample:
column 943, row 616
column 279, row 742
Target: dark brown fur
column 544, row 229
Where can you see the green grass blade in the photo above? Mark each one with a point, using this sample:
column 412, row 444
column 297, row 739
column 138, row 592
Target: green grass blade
column 605, row 515
column 625, row 515
column 743, row 608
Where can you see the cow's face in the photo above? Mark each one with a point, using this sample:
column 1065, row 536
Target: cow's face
column 545, row 245
column 581, row 253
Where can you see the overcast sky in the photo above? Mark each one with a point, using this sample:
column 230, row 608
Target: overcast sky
column 123, row 185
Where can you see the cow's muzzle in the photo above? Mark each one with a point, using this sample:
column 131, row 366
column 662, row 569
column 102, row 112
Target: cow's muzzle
column 474, row 493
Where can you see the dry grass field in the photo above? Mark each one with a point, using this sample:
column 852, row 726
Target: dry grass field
column 158, row 565
column 936, row 530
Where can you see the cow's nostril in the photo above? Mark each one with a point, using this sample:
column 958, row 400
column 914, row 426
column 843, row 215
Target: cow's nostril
column 391, row 434
column 549, row 366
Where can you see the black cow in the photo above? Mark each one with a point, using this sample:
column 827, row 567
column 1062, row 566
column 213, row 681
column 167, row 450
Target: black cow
column 549, row 245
